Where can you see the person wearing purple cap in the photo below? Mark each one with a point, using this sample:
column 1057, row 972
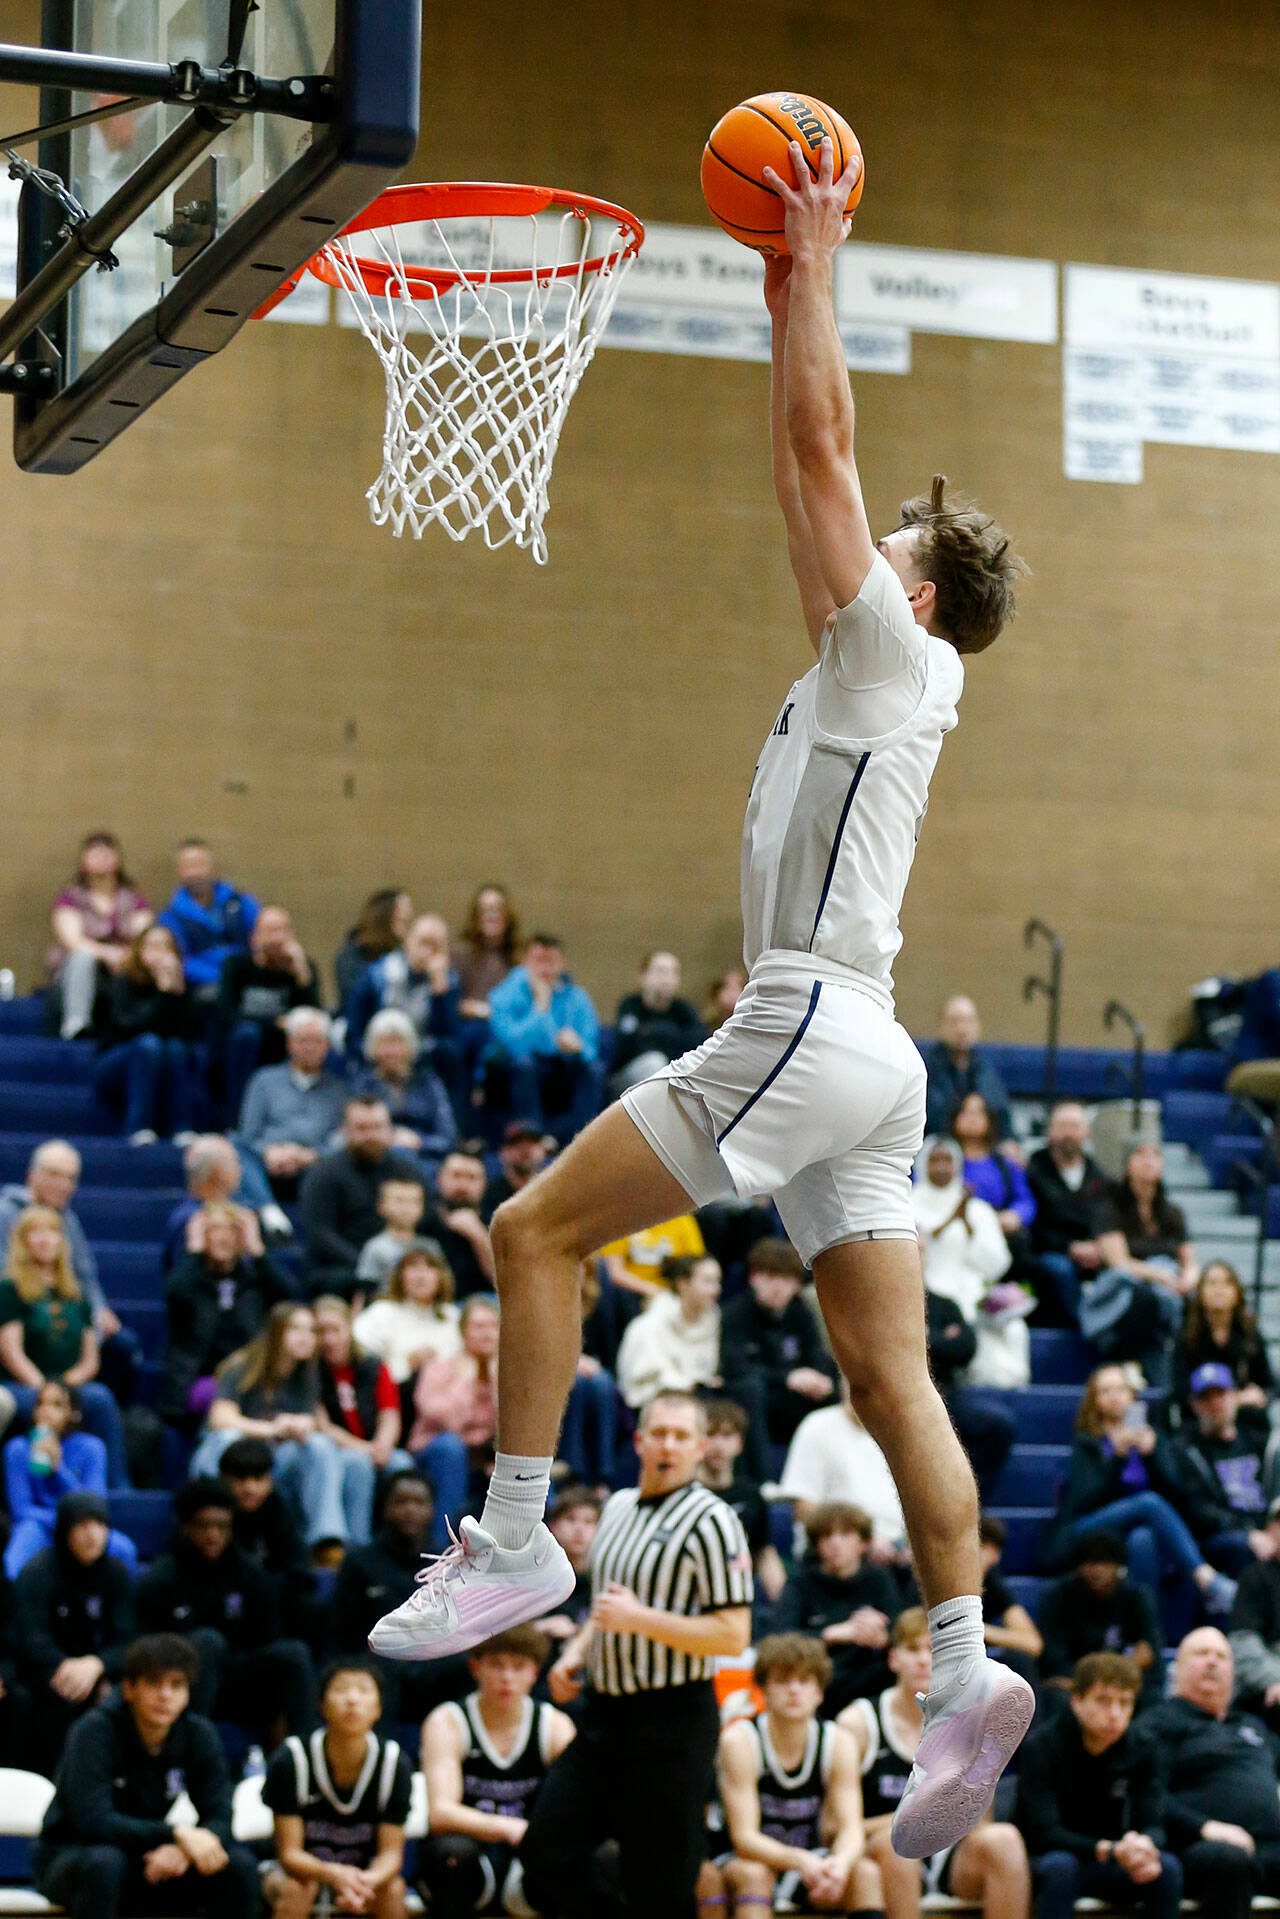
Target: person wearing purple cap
column 1230, row 1471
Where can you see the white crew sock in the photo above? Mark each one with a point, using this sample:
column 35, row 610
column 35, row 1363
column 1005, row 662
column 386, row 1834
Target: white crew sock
column 956, row 1636
column 516, row 1500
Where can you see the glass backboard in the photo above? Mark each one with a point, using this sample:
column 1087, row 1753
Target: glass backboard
column 216, row 242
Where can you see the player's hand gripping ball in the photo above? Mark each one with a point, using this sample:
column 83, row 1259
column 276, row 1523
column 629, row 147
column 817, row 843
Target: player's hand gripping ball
column 757, row 135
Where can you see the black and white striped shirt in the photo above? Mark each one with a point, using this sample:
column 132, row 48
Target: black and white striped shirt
column 684, row 1552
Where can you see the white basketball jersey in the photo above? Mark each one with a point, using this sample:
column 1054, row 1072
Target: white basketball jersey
column 841, row 787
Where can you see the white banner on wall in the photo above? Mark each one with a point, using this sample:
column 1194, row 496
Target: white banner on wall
column 985, row 296
column 1171, row 358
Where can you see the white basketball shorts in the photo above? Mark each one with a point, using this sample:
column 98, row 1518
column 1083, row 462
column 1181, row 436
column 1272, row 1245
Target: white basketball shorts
column 810, row 1092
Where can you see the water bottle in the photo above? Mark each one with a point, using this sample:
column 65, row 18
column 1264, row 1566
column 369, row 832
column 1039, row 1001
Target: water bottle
column 8, row 984
column 255, row 1764
column 38, row 1459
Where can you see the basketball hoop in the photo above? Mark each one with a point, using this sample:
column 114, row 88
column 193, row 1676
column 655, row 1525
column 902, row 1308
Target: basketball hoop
column 484, row 305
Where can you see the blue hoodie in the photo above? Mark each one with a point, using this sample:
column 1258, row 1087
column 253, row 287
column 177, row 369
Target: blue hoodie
column 524, row 1034
column 207, row 935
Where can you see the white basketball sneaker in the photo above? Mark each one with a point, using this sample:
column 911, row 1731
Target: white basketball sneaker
column 473, row 1590
column 965, row 1746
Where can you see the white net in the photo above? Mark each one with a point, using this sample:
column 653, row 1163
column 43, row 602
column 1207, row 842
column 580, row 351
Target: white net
column 479, row 376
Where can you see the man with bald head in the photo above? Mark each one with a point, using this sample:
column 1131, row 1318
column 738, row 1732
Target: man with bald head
column 956, row 1068
column 1222, row 1813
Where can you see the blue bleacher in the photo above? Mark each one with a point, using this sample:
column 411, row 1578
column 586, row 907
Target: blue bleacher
column 1101, row 1072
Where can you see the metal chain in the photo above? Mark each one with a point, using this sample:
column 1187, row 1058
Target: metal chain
column 50, row 183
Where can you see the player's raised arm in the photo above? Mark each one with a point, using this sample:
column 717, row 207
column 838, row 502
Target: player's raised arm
column 817, row 397
column 815, row 596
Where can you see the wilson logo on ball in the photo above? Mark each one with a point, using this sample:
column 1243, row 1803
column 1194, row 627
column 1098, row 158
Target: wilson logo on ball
column 808, row 125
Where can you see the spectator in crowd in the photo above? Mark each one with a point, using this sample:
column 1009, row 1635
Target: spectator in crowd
column 209, row 1589
column 1123, row 1476
column 674, row 1344
column 546, row 1035
column 723, row 994
column 965, row 1254
column 723, row 1471
column 455, row 1220
column 94, row 920
column 209, row 918
column 791, row 1794
column 1096, row 1607
column 835, row 1596
column 53, row 1175
column 419, row 980
column 1007, row 1627
column 956, row 1066
column 270, row 1389
column 833, row 1456
column 1068, row 1187
column 989, row 1867
column 573, row 1518
column 985, row 1427
column 607, row 1311
column 1133, row 1309
column 216, row 1298
column 401, row 1203
column 384, row 919
column 43, row 1466
column 415, row 1318
column 772, row 1355
column 455, row 1404
column 46, row 1330
column 1091, row 1804
column 653, row 1025
column 147, row 1028
column 1219, row 1769
column 212, row 1170
column 637, row 1262
column 340, row 1195
column 1255, row 1630
column 1231, row 1473
column 108, row 1844
column 400, row 1074
column 524, row 1151
column 488, row 949
column 485, row 1759
column 993, row 1175
column 257, row 986
column 263, row 1526
column 340, row 1802
column 383, row 1574
column 1218, row 1329
column 291, row 1112
column 361, row 1401
column 73, row 1619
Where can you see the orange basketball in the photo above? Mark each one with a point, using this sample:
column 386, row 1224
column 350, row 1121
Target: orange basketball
column 754, row 136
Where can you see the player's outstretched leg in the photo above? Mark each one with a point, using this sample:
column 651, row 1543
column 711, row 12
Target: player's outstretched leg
column 872, row 1295
column 506, row 1567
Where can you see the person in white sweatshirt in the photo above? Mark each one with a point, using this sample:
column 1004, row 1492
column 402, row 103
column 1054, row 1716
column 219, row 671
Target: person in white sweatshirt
column 416, row 1318
column 965, row 1254
column 674, row 1344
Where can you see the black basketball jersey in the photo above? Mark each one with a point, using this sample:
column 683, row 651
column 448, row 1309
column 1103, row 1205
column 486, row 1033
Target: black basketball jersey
column 341, row 1826
column 491, row 1783
column 791, row 1802
column 886, row 1768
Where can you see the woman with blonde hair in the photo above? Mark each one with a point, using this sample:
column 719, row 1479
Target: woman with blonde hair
column 416, row 1317
column 46, row 1330
column 271, row 1389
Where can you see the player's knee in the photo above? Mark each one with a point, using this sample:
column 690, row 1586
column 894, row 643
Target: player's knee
column 526, row 1232
column 999, row 1845
column 292, row 1898
column 748, row 1876
column 866, row 1887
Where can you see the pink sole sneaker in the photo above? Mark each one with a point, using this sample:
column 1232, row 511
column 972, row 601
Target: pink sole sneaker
column 472, row 1591
column 963, row 1750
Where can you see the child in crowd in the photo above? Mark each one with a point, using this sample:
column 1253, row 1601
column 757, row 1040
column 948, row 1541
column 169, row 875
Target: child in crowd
column 42, row 1466
column 401, row 1203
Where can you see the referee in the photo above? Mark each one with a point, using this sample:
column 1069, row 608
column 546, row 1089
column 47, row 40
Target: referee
column 671, row 1592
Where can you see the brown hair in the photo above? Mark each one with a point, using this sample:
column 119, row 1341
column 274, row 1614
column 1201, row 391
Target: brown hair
column 793, row 1655
column 1106, row 1669
column 135, row 968
column 102, row 839
column 909, row 1626
column 429, row 1255
column 727, row 1416
column 972, row 565
column 23, row 1271
column 372, row 931
column 262, row 1362
column 777, row 1257
column 509, row 946
column 526, row 1642
column 838, row 1516
column 1195, row 1325
column 1088, row 1419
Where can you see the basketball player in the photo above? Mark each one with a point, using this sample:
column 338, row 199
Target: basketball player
column 810, row 1091
column 988, row 1867
column 791, row 1795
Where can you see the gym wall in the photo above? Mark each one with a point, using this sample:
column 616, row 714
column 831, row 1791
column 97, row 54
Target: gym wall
column 203, row 633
